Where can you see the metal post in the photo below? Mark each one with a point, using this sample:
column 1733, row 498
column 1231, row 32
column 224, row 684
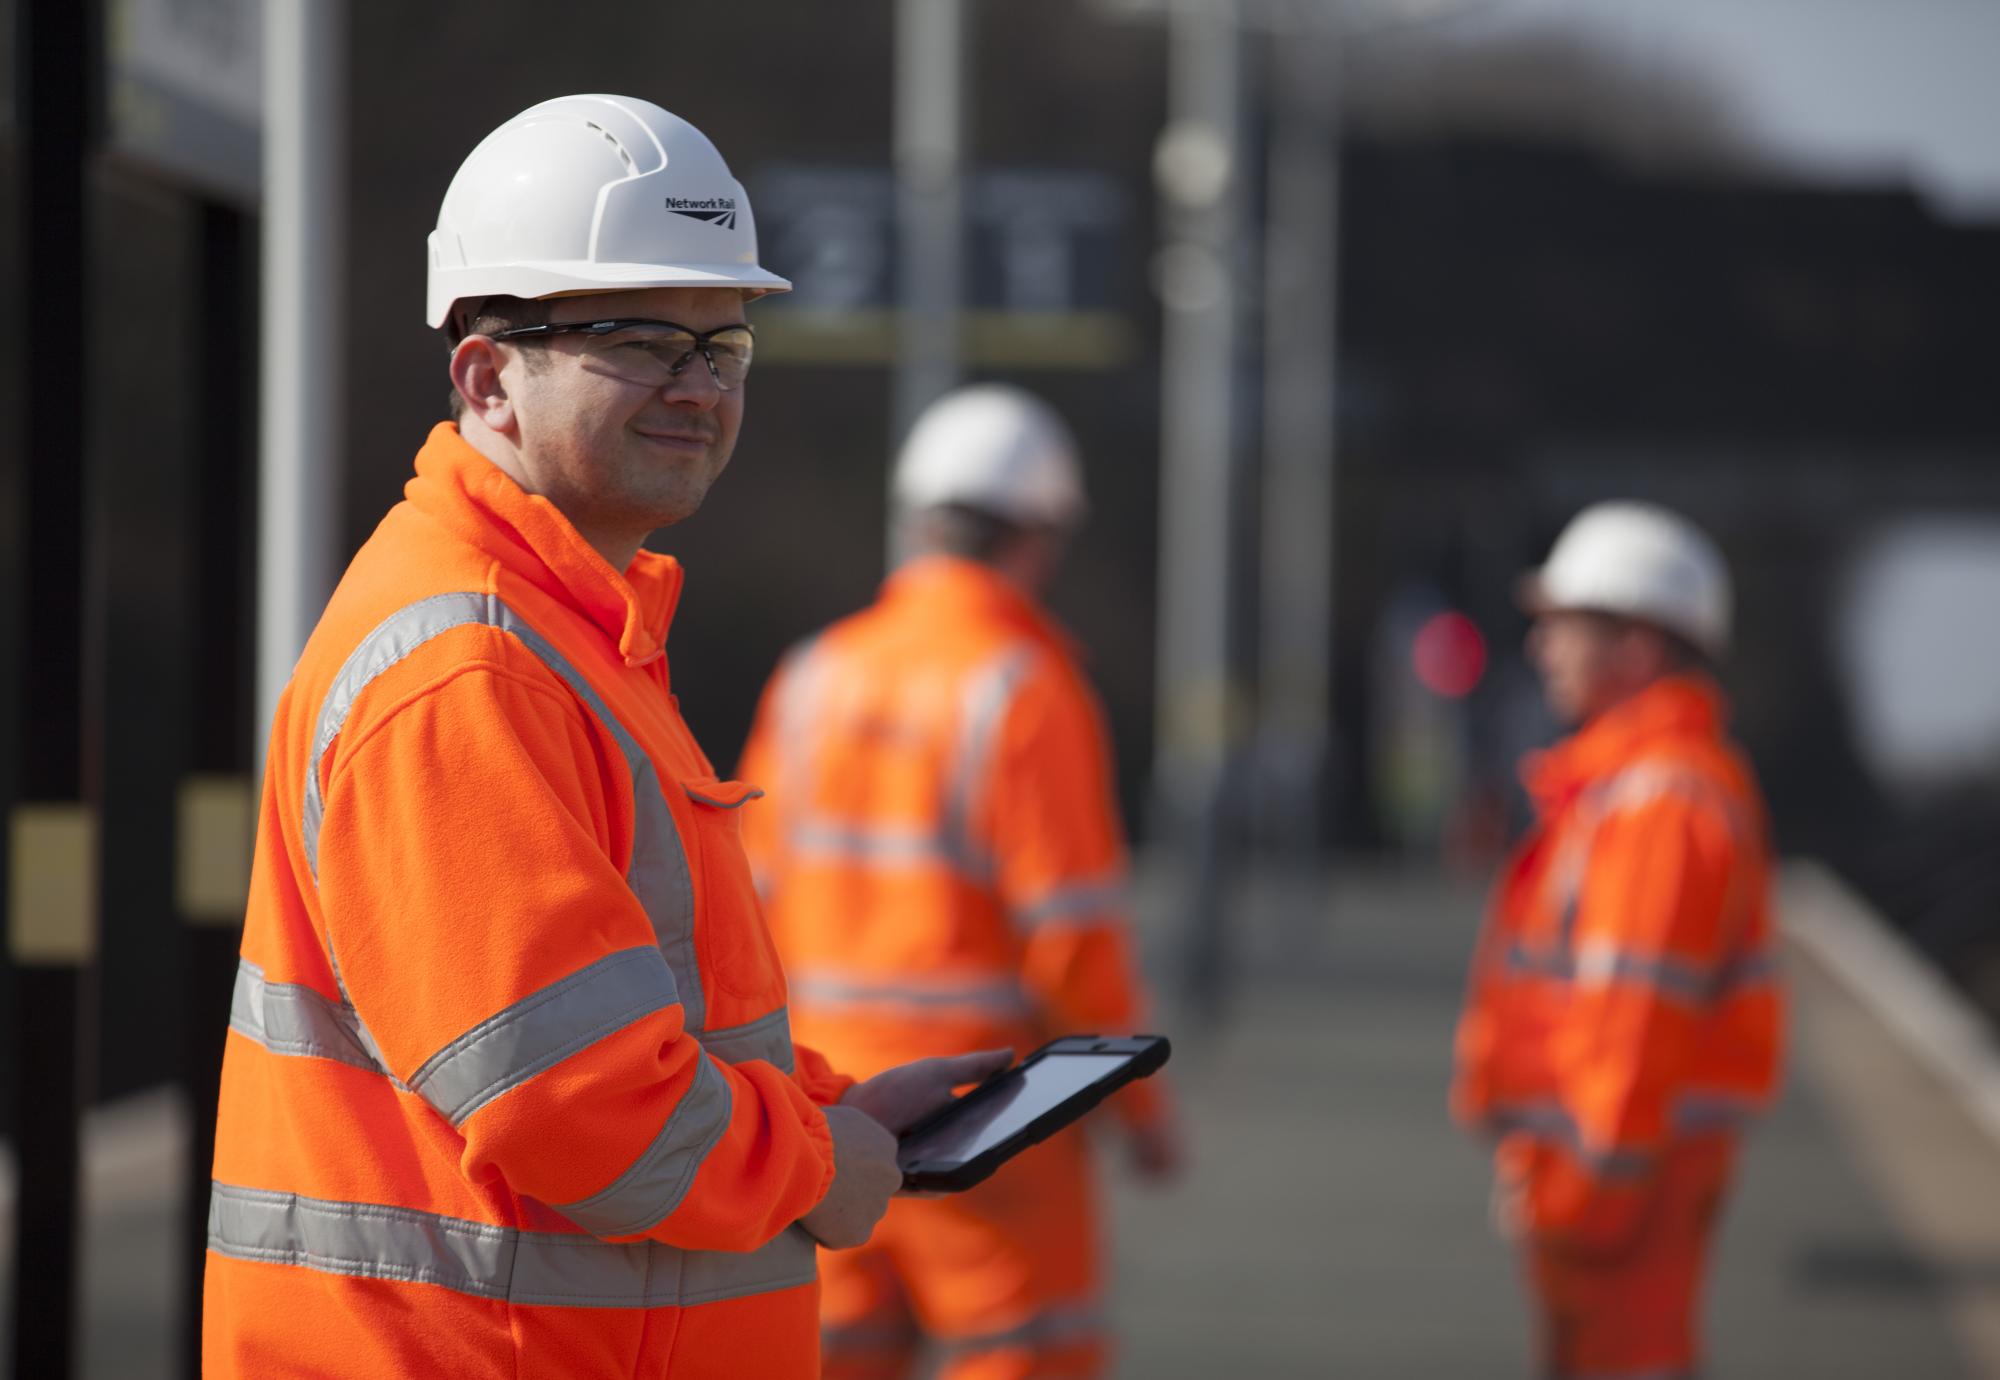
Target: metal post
column 1300, row 357
column 216, row 809
column 1198, row 165
column 52, row 876
column 930, row 212
column 303, row 383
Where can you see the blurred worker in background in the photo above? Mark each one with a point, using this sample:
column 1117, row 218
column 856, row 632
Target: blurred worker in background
column 944, row 870
column 1624, row 1015
column 509, row 1088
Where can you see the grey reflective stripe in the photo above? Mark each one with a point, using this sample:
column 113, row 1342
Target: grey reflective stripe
column 1598, row 964
column 881, row 845
column 655, row 1183
column 658, row 874
column 1698, row 1112
column 1067, row 1325
column 1551, row 1121
column 1103, row 898
column 551, row 1269
column 945, row 996
column 289, row 1018
column 768, row 1038
column 542, row 1029
column 988, row 694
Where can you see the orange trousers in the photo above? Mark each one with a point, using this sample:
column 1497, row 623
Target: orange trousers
column 1000, row 1281
column 1636, row 1316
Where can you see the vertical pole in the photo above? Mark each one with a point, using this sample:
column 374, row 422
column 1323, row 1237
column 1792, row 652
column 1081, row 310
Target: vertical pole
column 930, row 210
column 1198, row 166
column 52, row 908
column 216, row 818
column 1300, row 353
column 304, row 332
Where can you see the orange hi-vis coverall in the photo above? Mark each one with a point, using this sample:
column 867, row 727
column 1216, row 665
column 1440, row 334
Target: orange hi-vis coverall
column 945, row 871
column 1623, row 1023
column 509, row 1088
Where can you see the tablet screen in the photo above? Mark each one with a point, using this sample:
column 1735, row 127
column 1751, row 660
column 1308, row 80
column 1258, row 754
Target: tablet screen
column 1007, row 1105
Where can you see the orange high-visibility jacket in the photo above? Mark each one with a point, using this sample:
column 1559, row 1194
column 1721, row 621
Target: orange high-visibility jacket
column 509, row 1087
column 941, row 853
column 1625, row 997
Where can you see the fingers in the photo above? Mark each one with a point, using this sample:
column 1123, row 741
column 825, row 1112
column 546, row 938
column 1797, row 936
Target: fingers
column 976, row 1067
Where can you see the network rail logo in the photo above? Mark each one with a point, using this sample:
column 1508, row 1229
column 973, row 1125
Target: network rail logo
column 715, row 210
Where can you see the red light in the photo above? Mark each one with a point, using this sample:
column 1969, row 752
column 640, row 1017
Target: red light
column 1449, row 655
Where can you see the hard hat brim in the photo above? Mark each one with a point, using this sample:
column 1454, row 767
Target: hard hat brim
column 572, row 278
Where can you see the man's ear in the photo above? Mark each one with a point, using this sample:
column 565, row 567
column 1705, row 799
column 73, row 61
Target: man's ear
column 475, row 373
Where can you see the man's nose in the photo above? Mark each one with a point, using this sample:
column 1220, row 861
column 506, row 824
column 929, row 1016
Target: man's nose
column 694, row 386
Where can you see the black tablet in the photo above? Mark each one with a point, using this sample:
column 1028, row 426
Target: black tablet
column 959, row 1145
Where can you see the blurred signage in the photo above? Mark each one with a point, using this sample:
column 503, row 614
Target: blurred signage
column 185, row 90
column 1042, row 246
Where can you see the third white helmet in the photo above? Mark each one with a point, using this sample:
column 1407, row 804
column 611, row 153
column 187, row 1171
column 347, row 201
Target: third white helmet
column 1640, row 561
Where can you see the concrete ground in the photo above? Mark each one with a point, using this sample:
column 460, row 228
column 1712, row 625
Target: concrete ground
column 1333, row 1223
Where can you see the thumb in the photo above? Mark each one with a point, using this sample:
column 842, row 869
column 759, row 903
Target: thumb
column 976, row 1067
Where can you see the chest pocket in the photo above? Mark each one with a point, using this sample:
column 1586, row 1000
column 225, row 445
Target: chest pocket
column 736, row 949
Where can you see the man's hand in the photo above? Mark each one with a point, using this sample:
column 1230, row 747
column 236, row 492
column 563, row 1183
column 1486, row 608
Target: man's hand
column 864, row 1178
column 901, row 1097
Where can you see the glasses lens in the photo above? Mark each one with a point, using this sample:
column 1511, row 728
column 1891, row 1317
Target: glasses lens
column 730, row 353
column 654, row 355
column 644, row 354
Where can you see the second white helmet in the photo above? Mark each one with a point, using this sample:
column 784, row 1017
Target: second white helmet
column 1640, row 561
column 997, row 449
column 592, row 194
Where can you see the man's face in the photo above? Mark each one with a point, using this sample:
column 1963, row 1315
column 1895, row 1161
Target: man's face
column 1586, row 662
column 615, row 455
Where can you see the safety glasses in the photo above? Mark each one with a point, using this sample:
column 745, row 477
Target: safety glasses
column 651, row 352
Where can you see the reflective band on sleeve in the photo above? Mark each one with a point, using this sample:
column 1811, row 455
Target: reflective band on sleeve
column 658, row 874
column 543, row 1029
column 1103, row 898
column 943, row 996
column 1069, row 1325
column 655, row 1183
column 1551, row 1121
column 1601, row 964
column 768, row 1038
column 550, row 1269
column 288, row 1018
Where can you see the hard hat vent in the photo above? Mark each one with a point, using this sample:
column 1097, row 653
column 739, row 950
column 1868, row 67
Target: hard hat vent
column 615, row 143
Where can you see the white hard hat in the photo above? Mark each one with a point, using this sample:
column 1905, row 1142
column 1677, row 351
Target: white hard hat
column 994, row 448
column 1640, row 561
column 592, row 194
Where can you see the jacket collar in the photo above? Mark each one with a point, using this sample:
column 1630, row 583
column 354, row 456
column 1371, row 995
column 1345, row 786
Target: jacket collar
column 1676, row 707
column 480, row 504
column 958, row 588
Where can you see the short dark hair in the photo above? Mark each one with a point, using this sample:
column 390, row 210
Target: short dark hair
column 488, row 315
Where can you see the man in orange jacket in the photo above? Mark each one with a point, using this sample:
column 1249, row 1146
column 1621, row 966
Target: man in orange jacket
column 510, row 1088
column 944, row 871
column 1624, row 1017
